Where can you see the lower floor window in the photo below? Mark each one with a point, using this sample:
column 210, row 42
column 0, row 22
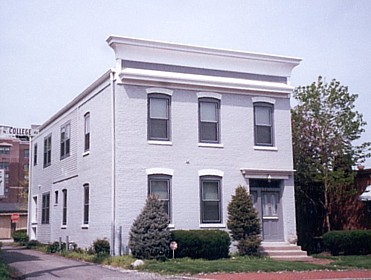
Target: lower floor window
column 160, row 185
column 45, row 206
column 210, row 199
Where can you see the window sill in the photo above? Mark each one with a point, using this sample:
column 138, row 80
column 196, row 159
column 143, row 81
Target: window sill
column 263, row 148
column 161, row 143
column 63, row 227
column 34, row 223
column 212, row 226
column 86, row 153
column 172, row 226
column 85, row 226
column 211, row 145
column 270, row 218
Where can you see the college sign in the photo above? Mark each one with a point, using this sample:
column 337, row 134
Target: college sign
column 20, row 131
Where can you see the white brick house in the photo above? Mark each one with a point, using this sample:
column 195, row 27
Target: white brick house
column 188, row 123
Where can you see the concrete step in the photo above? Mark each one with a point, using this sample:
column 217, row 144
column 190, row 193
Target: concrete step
column 284, row 252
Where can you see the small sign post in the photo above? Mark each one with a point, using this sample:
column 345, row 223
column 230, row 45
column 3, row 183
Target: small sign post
column 14, row 217
column 173, row 246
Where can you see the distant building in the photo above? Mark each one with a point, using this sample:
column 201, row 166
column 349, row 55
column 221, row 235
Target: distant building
column 14, row 172
column 186, row 123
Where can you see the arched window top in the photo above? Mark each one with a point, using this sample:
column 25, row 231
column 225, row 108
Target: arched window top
column 263, row 100
column 159, row 91
column 158, row 171
column 209, row 95
column 210, row 172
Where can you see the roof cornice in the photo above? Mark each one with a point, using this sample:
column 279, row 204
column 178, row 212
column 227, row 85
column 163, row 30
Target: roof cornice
column 201, row 57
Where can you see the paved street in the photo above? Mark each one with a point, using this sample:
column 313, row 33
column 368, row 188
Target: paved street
column 32, row 264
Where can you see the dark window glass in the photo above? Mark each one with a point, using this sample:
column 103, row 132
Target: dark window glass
column 45, row 208
column 209, row 124
column 158, row 117
column 35, row 154
column 65, row 140
column 160, row 185
column 87, row 132
column 210, row 200
column 64, row 216
column 47, row 150
column 86, row 204
column 263, row 123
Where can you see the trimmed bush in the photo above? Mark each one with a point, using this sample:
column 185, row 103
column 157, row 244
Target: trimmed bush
column 201, row 244
column 20, row 236
column 101, row 246
column 352, row 242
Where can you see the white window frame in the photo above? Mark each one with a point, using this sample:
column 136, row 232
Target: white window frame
column 162, row 177
column 64, row 207
column 65, row 137
column 167, row 119
column 45, row 209
column 47, row 151
column 203, row 201
column 270, row 106
column 87, row 132
column 86, row 202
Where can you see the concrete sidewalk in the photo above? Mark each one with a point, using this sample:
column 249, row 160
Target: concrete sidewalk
column 31, row 264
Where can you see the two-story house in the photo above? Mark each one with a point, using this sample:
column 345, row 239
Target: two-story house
column 186, row 123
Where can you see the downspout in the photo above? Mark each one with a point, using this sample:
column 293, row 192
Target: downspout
column 30, row 170
column 113, row 174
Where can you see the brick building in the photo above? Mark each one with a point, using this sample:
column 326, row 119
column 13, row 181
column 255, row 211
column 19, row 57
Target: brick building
column 187, row 123
column 14, row 172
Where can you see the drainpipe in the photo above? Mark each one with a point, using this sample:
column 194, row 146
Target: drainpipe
column 113, row 174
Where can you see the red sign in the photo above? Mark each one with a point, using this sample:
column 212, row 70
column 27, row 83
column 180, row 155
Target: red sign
column 14, row 217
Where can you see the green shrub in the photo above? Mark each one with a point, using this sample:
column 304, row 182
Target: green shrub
column 101, row 246
column 249, row 246
column 352, row 242
column 32, row 244
column 20, row 236
column 205, row 244
column 54, row 247
column 150, row 234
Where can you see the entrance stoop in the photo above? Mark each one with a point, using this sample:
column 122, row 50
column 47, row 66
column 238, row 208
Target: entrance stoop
column 283, row 251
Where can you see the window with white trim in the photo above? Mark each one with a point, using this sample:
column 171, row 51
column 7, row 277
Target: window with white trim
column 210, row 194
column 263, row 124
column 209, row 124
column 47, row 150
column 159, row 117
column 86, row 204
column 87, row 132
column 45, row 208
column 160, row 185
column 64, row 213
column 65, row 140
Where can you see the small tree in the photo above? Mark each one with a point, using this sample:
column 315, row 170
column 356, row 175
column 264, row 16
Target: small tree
column 149, row 234
column 243, row 222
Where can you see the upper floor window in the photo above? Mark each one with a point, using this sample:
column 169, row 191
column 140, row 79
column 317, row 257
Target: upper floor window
column 35, row 154
column 160, row 185
column 45, row 208
column 86, row 204
column 26, row 153
column 47, row 150
column 211, row 211
column 209, row 124
column 87, row 132
column 159, row 117
column 4, row 150
column 263, row 124
column 65, row 140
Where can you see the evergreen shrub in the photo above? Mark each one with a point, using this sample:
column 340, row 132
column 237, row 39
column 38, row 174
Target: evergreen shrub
column 54, row 247
column 350, row 242
column 150, row 234
column 243, row 222
column 20, row 236
column 201, row 244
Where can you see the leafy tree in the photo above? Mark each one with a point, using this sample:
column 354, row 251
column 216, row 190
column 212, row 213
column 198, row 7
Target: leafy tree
column 325, row 126
column 150, row 235
column 243, row 222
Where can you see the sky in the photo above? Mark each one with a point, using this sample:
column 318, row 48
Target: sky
column 50, row 51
